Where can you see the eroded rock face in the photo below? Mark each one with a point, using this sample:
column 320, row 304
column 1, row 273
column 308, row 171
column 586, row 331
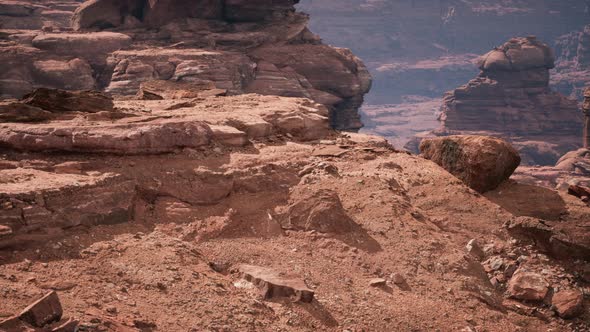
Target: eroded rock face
column 481, row 162
column 561, row 240
column 155, row 13
column 240, row 46
column 56, row 101
column 511, row 97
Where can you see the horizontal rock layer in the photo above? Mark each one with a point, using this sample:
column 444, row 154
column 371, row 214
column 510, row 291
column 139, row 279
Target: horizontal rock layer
column 204, row 42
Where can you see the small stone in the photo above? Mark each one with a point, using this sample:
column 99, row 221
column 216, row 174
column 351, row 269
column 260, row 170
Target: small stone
column 111, row 310
column 398, row 279
column 510, row 270
column 495, row 263
column 474, row 249
column 568, row 304
column 43, row 311
column 377, row 282
column 5, row 230
column 69, row 326
column 528, row 286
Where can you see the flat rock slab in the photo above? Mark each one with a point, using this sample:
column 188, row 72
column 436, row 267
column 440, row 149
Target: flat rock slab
column 274, row 284
column 82, row 43
column 43, row 311
column 115, row 138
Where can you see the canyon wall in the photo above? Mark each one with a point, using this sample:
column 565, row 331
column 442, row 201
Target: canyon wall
column 238, row 46
column 418, row 50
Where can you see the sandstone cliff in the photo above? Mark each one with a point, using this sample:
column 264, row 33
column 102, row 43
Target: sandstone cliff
column 240, row 46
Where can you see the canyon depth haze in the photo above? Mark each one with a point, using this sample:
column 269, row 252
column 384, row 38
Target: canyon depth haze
column 295, row 165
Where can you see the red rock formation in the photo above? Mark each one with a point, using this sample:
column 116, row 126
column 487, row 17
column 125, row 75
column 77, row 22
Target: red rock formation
column 511, row 98
column 241, row 46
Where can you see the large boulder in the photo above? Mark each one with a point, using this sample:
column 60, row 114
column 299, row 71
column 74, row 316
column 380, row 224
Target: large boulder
column 518, row 54
column 479, row 161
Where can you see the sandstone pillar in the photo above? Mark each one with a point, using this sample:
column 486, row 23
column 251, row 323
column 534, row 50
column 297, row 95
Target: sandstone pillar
column 586, row 110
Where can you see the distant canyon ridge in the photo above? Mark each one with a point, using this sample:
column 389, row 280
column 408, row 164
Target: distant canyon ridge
column 418, row 51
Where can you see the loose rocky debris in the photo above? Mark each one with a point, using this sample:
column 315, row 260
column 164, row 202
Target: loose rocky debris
column 559, row 239
column 139, row 221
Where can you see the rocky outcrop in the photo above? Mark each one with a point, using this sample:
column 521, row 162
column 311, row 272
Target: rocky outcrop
column 241, row 46
column 561, row 240
column 481, row 162
column 105, row 130
column 511, row 98
column 57, row 101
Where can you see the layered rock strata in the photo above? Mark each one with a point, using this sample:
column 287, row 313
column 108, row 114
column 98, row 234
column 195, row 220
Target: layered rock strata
column 239, row 46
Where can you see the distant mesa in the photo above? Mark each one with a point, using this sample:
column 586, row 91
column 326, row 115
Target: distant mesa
column 511, row 98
